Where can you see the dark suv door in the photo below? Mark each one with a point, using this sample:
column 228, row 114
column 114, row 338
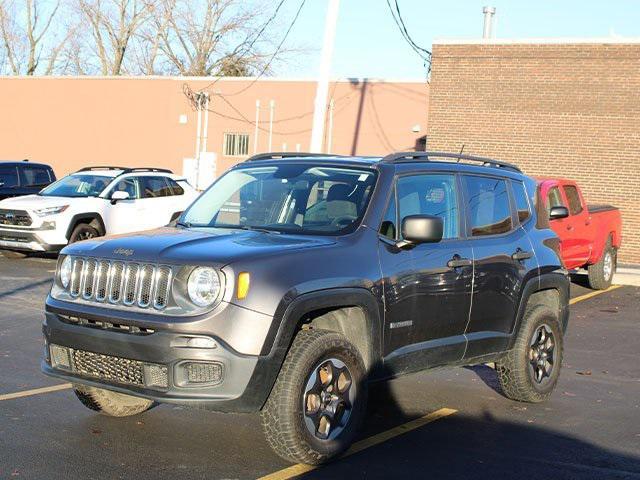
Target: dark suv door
column 502, row 257
column 427, row 288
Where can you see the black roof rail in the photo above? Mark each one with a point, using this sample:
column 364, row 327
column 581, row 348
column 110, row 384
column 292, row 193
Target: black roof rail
column 146, row 169
column 277, row 155
column 101, row 167
column 404, row 157
column 125, row 169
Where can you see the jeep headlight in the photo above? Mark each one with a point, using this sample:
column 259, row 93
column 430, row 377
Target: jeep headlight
column 203, row 286
column 43, row 212
column 64, row 273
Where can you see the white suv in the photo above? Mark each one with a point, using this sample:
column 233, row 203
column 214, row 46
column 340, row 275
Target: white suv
column 92, row 202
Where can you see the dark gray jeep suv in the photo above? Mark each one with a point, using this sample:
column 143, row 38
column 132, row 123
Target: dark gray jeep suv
column 297, row 279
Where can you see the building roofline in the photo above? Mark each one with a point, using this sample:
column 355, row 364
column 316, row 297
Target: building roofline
column 537, row 41
column 211, row 79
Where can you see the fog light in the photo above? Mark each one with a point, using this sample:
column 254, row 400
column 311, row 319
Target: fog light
column 156, row 376
column 60, row 357
column 201, row 372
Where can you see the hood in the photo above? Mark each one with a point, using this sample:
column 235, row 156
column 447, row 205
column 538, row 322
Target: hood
column 193, row 246
column 34, row 202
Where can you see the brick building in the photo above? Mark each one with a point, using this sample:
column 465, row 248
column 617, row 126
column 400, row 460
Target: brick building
column 72, row 122
column 560, row 108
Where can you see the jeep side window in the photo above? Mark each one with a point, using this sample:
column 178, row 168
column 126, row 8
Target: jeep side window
column 575, row 206
column 487, row 205
column 522, row 201
column 430, row 195
column 388, row 226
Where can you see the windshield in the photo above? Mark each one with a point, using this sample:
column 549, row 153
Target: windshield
column 77, row 186
column 290, row 198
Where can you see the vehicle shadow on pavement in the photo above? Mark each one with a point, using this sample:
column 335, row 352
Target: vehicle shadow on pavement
column 487, row 375
column 462, row 446
column 24, row 288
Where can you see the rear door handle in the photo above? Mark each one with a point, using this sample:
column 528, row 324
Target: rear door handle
column 521, row 255
column 457, row 262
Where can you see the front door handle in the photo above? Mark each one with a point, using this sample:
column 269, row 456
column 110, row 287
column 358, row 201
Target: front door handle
column 521, row 255
column 457, row 262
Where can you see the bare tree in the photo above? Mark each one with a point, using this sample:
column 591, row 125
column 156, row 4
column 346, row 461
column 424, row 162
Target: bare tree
column 113, row 25
column 201, row 38
column 25, row 45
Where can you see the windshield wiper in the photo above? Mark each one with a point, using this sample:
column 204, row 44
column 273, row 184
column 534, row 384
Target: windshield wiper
column 184, row 224
column 256, row 229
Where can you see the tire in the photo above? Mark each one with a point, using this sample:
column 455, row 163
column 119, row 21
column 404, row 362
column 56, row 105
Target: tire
column 518, row 371
column 12, row 254
column 83, row 231
column 601, row 273
column 293, row 434
column 112, row 404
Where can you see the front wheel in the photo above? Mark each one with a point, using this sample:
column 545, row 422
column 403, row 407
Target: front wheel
column 112, row 404
column 319, row 399
column 83, row 231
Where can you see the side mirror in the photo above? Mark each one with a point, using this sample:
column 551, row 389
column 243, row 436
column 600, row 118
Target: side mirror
column 119, row 195
column 417, row 229
column 558, row 212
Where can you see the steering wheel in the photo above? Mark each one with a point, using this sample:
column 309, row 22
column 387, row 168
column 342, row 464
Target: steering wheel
column 342, row 219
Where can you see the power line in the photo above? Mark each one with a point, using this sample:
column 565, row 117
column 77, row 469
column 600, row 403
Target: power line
column 423, row 53
column 272, row 57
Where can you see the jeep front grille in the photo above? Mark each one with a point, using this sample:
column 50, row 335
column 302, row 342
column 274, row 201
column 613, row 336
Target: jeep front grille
column 132, row 284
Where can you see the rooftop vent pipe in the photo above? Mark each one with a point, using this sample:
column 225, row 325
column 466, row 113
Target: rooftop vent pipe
column 489, row 12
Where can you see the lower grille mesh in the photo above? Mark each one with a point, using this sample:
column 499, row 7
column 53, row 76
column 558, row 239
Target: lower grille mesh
column 115, row 369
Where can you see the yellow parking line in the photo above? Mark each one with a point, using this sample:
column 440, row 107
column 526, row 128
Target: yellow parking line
column 381, row 437
column 35, row 391
column 592, row 294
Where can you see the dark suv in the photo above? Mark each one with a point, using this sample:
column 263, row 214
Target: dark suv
column 23, row 178
column 295, row 280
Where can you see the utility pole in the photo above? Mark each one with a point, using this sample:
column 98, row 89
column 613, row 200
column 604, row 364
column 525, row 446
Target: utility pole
column 322, row 90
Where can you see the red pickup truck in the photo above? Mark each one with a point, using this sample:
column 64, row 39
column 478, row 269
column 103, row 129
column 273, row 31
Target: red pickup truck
column 590, row 235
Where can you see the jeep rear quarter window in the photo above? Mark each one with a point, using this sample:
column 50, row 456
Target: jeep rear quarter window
column 522, row 201
column 488, row 206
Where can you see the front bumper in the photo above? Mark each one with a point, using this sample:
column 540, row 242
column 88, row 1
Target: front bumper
column 30, row 240
column 242, row 388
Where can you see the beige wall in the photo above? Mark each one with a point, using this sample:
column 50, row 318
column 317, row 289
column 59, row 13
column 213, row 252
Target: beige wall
column 71, row 122
column 555, row 109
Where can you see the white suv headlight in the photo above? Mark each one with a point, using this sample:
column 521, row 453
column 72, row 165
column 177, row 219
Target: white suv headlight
column 203, row 286
column 43, row 212
column 64, row 274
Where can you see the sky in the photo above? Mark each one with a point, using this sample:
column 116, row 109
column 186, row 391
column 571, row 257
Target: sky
column 368, row 43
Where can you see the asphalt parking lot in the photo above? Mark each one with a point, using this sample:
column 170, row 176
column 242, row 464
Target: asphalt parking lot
column 444, row 424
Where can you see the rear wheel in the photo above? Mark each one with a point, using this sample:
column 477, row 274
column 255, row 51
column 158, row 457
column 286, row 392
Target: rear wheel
column 601, row 273
column 83, row 231
column 319, row 399
column 529, row 372
column 110, row 403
